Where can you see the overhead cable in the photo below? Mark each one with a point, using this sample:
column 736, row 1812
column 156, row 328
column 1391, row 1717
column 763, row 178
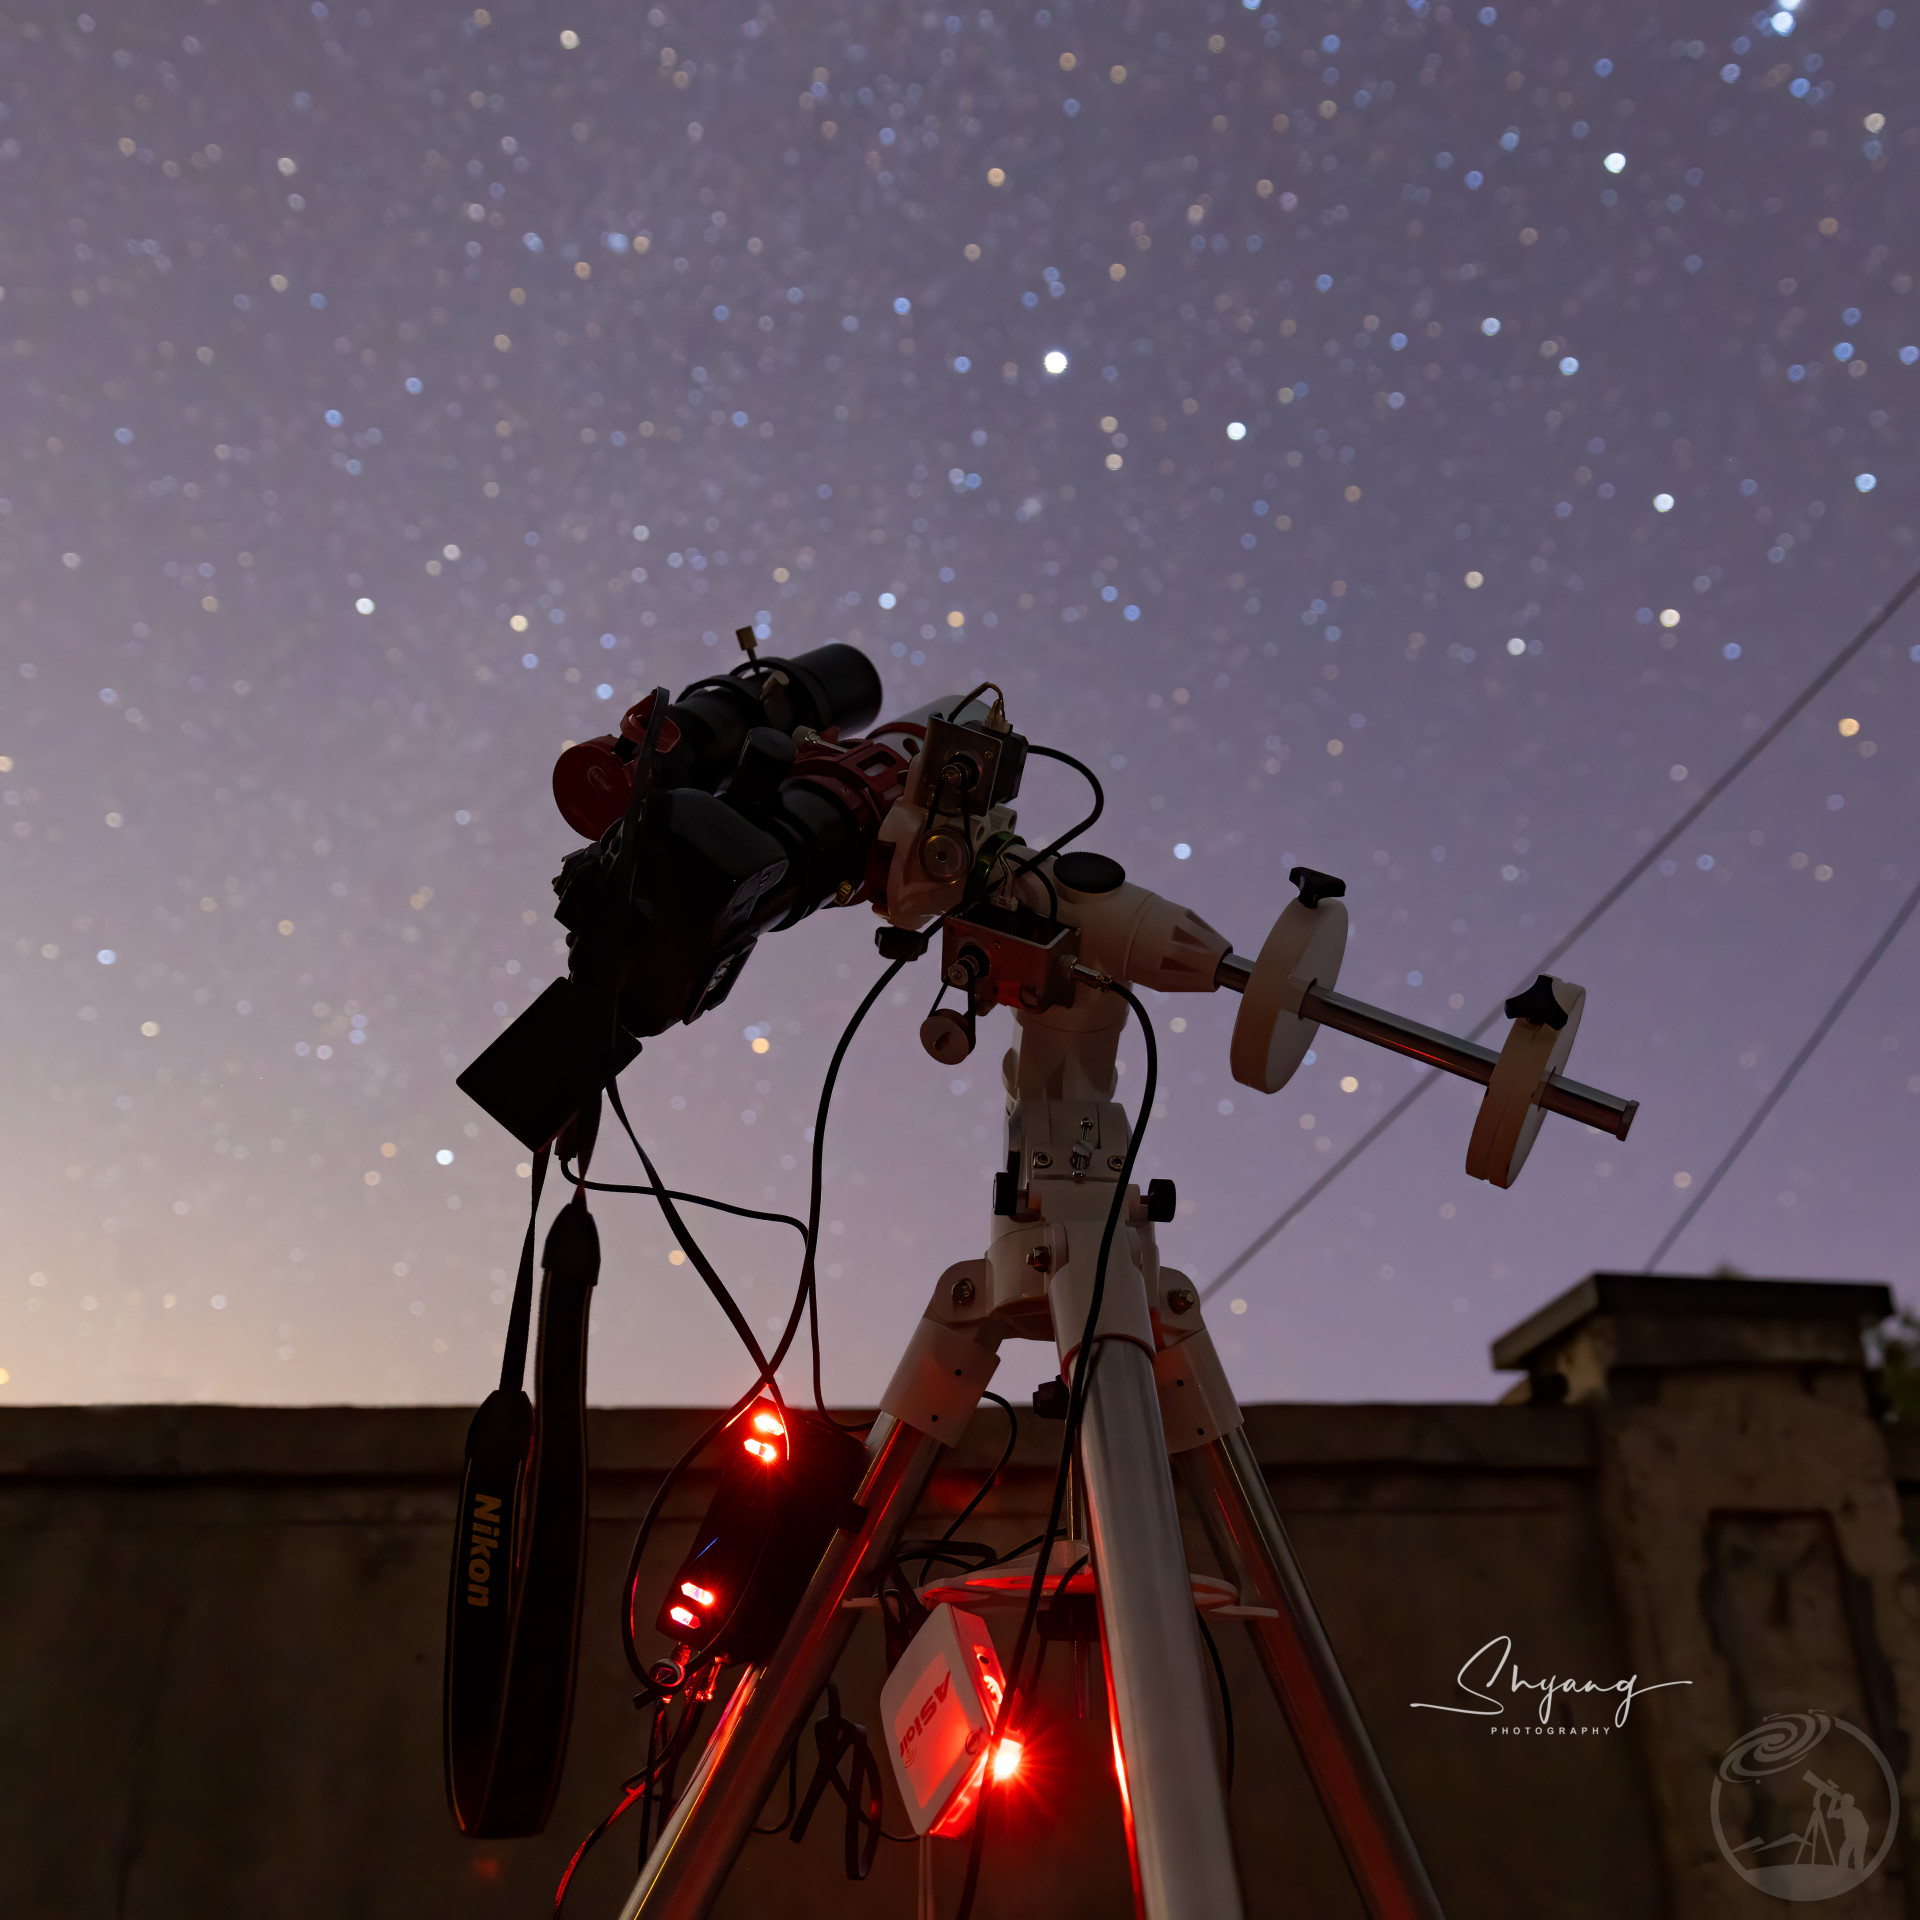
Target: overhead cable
column 1786, row 1080
column 1742, row 761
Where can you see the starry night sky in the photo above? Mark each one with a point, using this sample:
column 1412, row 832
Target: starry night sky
column 1472, row 426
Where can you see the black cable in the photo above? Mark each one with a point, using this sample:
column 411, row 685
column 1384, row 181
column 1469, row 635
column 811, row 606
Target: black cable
column 1226, row 1699
column 687, row 1199
column 1024, row 867
column 1073, row 832
column 1786, row 1080
column 801, row 1298
column 1056, row 1623
column 793, row 1794
column 974, row 1555
column 693, row 1250
column 986, row 1486
column 1791, row 712
column 961, row 705
column 1014, row 1553
column 806, row 1295
column 809, row 1294
column 834, row 1736
column 1076, row 1409
column 1019, row 870
column 636, row 1787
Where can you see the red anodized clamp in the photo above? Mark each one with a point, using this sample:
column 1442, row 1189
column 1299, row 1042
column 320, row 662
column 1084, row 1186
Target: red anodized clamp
column 592, row 783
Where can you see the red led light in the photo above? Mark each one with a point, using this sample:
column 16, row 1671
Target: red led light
column 1006, row 1759
column 684, row 1617
column 762, row 1449
column 698, row 1595
column 765, row 1422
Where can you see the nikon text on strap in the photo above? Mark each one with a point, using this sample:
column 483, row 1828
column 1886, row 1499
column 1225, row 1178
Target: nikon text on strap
column 513, row 1602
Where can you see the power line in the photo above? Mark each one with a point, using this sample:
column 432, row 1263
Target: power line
column 1786, row 1080
column 1791, row 712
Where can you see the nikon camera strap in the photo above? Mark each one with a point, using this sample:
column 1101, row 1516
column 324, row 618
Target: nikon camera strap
column 513, row 1602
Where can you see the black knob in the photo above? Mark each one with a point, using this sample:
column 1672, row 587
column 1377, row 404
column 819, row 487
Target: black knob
column 1162, row 1201
column 1539, row 1005
column 899, row 943
column 1316, row 886
column 1050, row 1400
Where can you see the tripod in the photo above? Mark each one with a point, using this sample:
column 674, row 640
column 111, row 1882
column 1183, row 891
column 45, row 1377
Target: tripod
column 1158, row 1401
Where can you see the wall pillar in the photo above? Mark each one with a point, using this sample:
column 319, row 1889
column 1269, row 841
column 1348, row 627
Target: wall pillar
column 1753, row 1525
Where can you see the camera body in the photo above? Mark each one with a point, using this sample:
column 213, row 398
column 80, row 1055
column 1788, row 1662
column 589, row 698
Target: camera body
column 761, row 804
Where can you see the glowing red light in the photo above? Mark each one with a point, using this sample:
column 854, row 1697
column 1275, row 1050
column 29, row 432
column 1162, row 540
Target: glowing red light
column 768, row 1423
column 698, row 1595
column 1006, row 1759
column 683, row 1617
column 762, row 1449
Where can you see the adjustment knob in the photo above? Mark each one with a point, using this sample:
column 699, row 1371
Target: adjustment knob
column 1316, row 886
column 1162, row 1201
column 1538, row 1004
column 1050, row 1399
column 947, row 1035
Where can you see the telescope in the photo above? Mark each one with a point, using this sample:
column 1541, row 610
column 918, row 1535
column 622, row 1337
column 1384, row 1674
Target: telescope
column 765, row 805
column 755, row 799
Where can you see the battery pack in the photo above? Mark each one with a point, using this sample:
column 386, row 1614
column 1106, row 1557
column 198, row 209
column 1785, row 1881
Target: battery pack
column 939, row 1706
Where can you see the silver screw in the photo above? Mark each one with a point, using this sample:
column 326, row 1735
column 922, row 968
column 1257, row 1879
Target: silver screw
column 1181, row 1300
column 962, row 1292
column 1043, row 1159
column 1116, row 1161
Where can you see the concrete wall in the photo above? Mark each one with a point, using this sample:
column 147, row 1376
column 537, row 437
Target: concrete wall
column 222, row 1632
column 223, row 1637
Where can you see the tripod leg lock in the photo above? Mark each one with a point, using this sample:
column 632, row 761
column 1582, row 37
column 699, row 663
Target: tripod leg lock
column 1196, row 1402
column 940, row 1378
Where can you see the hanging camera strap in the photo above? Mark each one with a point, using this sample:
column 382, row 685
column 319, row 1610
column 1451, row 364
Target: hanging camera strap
column 513, row 1602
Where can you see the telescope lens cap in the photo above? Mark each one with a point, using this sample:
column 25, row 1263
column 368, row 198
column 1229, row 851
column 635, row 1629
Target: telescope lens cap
column 1088, row 872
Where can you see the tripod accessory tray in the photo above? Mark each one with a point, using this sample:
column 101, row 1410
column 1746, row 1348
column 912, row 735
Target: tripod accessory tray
column 1007, row 1583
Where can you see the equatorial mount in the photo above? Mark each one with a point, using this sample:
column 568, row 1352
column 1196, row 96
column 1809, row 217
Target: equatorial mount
column 1012, row 954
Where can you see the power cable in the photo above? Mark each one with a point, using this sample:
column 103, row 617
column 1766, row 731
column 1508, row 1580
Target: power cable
column 1791, row 712
column 1780, row 1086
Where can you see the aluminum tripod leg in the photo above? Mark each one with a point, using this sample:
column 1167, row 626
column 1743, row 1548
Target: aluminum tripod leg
column 1224, row 1481
column 709, row 1825
column 1172, row 1794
